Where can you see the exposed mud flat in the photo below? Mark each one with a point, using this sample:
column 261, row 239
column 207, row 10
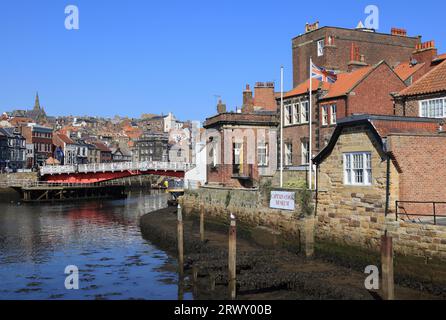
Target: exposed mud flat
column 263, row 272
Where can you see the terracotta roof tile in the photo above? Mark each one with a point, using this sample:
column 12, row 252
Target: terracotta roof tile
column 386, row 127
column 347, row 81
column 432, row 82
column 102, row 147
column 305, row 86
column 406, row 69
column 65, row 138
column 440, row 57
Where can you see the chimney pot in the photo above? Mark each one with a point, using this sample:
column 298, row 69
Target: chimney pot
column 399, row 32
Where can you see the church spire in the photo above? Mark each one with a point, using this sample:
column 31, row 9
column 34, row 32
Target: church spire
column 37, row 102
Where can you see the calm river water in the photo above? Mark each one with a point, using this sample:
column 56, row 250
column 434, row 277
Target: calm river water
column 102, row 239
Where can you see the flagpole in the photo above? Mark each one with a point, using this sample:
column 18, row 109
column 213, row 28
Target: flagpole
column 310, row 174
column 281, row 126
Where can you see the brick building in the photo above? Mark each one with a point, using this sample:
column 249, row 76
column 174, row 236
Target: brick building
column 242, row 146
column 368, row 155
column 366, row 90
column 343, row 49
column 426, row 97
column 41, row 138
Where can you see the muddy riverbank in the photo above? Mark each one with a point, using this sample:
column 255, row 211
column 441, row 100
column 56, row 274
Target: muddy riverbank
column 263, row 271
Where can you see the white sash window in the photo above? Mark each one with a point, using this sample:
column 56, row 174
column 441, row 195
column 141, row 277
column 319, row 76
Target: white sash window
column 358, row 169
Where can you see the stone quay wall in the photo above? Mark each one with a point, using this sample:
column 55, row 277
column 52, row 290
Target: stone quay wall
column 250, row 207
column 420, row 240
column 7, row 177
column 361, row 224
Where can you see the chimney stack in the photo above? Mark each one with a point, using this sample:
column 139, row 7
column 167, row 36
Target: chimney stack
column 425, row 52
column 311, row 27
column 399, row 32
column 357, row 60
column 221, row 107
column 248, row 103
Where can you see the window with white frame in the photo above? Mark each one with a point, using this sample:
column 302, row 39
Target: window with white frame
column 433, row 108
column 305, row 152
column 262, row 154
column 324, row 115
column 305, row 112
column 358, row 168
column 320, row 47
column 296, row 113
column 288, row 154
column 288, row 114
column 333, row 115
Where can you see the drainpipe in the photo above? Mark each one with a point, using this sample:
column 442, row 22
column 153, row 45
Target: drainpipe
column 316, row 189
column 387, row 185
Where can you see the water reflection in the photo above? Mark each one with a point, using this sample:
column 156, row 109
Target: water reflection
column 102, row 238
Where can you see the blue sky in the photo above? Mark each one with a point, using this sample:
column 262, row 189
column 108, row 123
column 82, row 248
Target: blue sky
column 134, row 57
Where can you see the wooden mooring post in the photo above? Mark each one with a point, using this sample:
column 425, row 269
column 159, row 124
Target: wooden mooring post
column 180, row 242
column 388, row 285
column 232, row 265
column 202, row 223
column 309, row 237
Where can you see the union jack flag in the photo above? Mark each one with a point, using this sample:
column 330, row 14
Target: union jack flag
column 323, row 74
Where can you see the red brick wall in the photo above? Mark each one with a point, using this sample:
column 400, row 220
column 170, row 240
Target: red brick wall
column 374, row 46
column 411, row 106
column 372, row 96
column 264, row 97
column 295, row 133
column 223, row 173
column 423, row 165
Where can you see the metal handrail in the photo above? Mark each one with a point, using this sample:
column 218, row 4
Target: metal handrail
column 434, row 214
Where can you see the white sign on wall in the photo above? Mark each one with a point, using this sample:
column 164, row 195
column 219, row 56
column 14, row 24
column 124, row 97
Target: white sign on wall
column 282, row 200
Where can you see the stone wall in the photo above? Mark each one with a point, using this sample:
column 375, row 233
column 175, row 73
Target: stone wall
column 31, row 176
column 250, row 207
column 355, row 215
column 415, row 239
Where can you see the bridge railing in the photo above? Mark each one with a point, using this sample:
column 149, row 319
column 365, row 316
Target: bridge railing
column 115, row 166
column 49, row 184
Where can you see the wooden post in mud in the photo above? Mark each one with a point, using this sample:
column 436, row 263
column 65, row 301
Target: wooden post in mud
column 309, row 237
column 180, row 242
column 388, row 285
column 202, row 223
column 232, row 258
